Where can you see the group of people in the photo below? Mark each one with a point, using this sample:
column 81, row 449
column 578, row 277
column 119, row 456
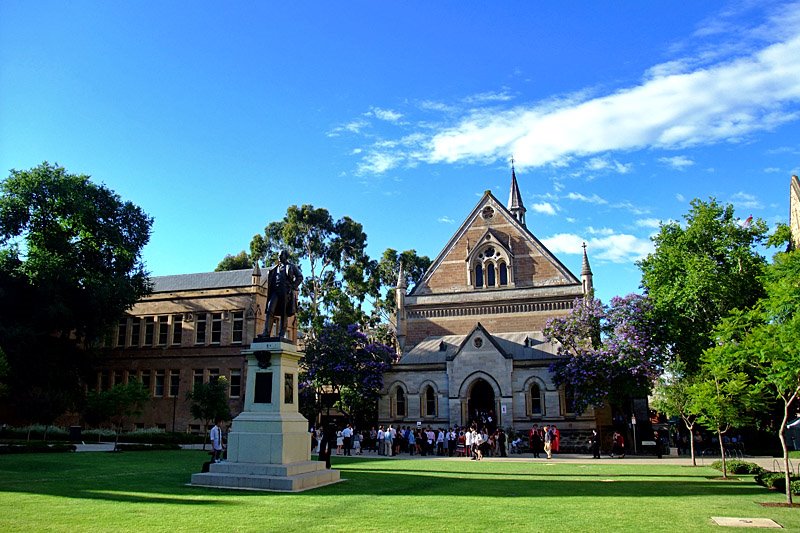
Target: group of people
column 389, row 441
column 545, row 439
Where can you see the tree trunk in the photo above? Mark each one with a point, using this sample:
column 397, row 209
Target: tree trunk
column 691, row 440
column 785, row 448
column 722, row 454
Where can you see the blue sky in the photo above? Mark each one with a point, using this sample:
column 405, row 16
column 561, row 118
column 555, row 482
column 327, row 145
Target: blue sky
column 214, row 117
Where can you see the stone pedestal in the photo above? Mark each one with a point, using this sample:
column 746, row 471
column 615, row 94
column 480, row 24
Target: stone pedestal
column 269, row 444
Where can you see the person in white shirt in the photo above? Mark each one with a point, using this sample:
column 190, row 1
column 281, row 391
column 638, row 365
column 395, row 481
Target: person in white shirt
column 216, row 440
column 347, row 439
column 381, row 438
column 388, row 437
column 468, row 443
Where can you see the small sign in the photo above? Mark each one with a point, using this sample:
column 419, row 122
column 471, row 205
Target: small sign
column 419, row 424
column 633, row 420
column 503, row 409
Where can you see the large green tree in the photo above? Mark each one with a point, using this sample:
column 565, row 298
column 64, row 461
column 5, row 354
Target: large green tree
column 234, row 262
column 209, row 401
column 671, row 397
column 765, row 342
column 699, row 272
column 70, row 266
column 335, row 284
column 722, row 397
column 116, row 405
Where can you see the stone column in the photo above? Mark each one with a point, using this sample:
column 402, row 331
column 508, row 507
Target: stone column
column 269, row 446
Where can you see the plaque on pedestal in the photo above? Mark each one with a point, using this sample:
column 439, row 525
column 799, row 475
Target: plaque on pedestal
column 269, row 447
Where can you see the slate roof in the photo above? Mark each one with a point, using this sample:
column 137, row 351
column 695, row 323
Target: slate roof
column 429, row 350
column 203, row 280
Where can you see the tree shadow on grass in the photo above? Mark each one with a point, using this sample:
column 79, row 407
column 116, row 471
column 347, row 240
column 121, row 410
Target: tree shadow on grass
column 162, row 477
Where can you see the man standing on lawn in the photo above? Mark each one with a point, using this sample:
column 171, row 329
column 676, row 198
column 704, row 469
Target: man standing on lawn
column 347, row 439
column 548, row 442
column 216, row 440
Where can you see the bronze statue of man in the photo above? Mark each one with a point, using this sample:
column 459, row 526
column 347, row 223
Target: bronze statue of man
column 283, row 280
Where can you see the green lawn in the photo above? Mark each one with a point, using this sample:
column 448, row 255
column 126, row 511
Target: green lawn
column 147, row 491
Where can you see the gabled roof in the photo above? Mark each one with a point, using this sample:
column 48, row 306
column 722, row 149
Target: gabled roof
column 203, row 280
column 488, row 199
column 479, row 329
column 519, row 346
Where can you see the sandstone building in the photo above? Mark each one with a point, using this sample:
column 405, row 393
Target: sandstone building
column 190, row 330
column 471, row 330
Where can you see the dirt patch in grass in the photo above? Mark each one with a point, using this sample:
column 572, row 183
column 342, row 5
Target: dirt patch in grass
column 777, row 504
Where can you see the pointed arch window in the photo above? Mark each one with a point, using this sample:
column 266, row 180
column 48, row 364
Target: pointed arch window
column 503, row 273
column 478, row 275
column 429, row 402
column 490, row 277
column 490, row 265
column 400, row 403
column 536, row 400
column 569, row 400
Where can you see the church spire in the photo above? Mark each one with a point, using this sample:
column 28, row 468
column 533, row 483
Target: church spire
column 515, row 198
column 586, row 275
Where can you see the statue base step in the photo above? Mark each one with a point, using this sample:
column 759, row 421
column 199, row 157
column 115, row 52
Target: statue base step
column 292, row 477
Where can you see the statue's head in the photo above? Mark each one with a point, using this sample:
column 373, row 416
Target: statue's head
column 284, row 256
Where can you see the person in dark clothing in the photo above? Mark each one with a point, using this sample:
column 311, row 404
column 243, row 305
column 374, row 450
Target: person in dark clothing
column 326, row 444
column 594, row 443
column 501, row 442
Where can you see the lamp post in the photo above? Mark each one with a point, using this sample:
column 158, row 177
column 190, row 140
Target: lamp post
column 633, row 425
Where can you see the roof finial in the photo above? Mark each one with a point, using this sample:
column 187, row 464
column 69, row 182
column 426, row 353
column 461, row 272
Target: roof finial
column 585, row 268
column 515, row 204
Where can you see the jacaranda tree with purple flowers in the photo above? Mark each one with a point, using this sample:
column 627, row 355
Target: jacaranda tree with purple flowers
column 343, row 361
column 608, row 354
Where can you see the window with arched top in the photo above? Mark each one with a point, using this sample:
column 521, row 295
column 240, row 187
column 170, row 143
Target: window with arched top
column 536, row 400
column 400, row 403
column 569, row 400
column 429, row 401
column 490, row 266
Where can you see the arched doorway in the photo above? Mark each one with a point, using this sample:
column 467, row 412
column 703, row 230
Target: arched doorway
column 481, row 405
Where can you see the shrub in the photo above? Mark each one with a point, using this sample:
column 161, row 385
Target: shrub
column 147, row 447
column 738, row 467
column 777, row 481
column 38, row 447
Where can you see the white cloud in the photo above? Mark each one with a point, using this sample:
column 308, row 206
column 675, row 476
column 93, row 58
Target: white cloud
column 564, row 243
column 354, row 126
column 635, row 209
column 620, row 248
column 445, row 220
column 691, row 101
column 616, row 248
column 599, row 231
column 545, row 208
column 648, row 223
column 378, row 163
column 593, row 199
column 677, row 162
column 680, row 197
column 743, row 199
column 385, row 114
column 772, row 170
column 480, row 98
